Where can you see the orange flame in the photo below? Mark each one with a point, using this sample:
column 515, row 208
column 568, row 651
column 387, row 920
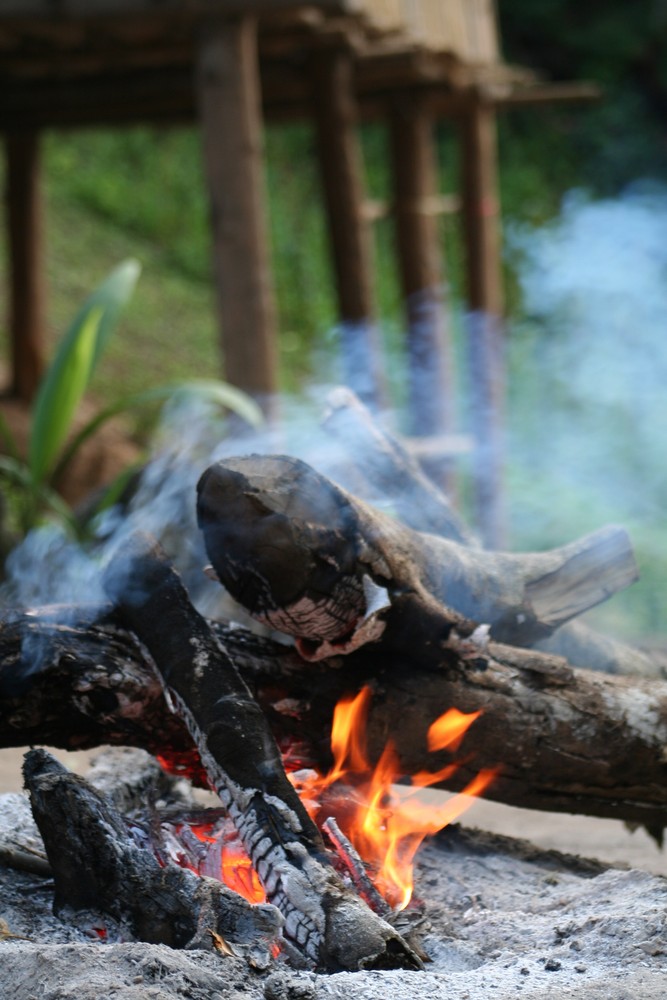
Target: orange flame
column 385, row 822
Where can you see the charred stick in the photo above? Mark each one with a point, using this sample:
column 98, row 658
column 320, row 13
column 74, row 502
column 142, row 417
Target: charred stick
column 96, row 866
column 311, row 560
column 355, row 867
column 325, row 923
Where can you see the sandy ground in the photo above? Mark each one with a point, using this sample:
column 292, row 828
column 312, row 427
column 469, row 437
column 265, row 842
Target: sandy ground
column 605, row 840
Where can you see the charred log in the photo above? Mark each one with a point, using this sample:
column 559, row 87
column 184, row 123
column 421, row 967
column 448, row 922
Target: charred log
column 97, row 866
column 565, row 740
column 301, row 554
column 326, row 924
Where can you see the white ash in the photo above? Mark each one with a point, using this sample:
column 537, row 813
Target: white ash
column 502, row 920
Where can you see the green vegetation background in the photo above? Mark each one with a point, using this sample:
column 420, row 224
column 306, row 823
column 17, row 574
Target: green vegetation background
column 139, row 192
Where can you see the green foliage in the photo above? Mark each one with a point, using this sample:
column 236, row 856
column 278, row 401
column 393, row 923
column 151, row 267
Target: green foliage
column 51, row 447
column 71, row 370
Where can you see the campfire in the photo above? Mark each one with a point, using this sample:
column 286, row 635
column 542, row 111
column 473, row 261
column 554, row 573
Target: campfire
column 413, row 663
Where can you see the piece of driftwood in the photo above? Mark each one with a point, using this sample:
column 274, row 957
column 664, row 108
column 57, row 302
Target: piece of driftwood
column 306, row 557
column 384, row 468
column 565, row 740
column 97, row 866
column 327, row 926
column 391, row 470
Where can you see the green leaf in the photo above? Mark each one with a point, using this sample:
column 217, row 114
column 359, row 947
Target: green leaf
column 70, row 371
column 221, row 393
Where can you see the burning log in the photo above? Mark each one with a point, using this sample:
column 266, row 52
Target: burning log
column 564, row 740
column 309, row 559
column 97, row 866
column 326, row 925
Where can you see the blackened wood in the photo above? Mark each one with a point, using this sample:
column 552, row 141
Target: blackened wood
column 566, row 740
column 230, row 113
column 391, row 470
column 341, row 170
column 97, row 866
column 421, row 268
column 326, row 925
column 26, row 292
column 295, row 550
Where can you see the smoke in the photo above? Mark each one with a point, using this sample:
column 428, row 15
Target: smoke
column 588, row 370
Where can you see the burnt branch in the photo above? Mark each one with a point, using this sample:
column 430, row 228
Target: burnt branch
column 326, row 924
column 97, row 866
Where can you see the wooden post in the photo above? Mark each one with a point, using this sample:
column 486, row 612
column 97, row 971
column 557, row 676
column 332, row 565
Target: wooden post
column 420, row 266
column 228, row 92
column 342, row 178
column 26, row 280
column 486, row 376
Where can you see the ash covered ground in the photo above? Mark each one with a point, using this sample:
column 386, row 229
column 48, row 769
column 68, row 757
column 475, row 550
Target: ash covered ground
column 501, row 919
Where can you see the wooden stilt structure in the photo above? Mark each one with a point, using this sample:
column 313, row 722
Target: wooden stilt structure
column 26, row 283
column 229, row 63
column 228, row 91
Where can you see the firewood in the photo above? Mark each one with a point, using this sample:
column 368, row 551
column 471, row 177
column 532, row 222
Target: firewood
column 565, row 739
column 383, row 467
column 302, row 555
column 326, row 925
column 97, row 866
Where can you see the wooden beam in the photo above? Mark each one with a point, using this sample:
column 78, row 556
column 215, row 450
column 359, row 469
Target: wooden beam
column 421, row 267
column 231, row 121
column 26, row 279
column 341, row 171
column 486, row 377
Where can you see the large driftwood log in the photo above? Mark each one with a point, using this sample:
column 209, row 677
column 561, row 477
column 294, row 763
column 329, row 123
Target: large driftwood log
column 384, row 468
column 565, row 740
column 301, row 554
column 327, row 926
column 97, row 866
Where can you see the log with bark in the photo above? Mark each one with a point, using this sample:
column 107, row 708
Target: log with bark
column 565, row 740
column 309, row 559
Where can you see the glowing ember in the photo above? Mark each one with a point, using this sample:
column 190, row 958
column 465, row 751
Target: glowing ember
column 385, row 823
